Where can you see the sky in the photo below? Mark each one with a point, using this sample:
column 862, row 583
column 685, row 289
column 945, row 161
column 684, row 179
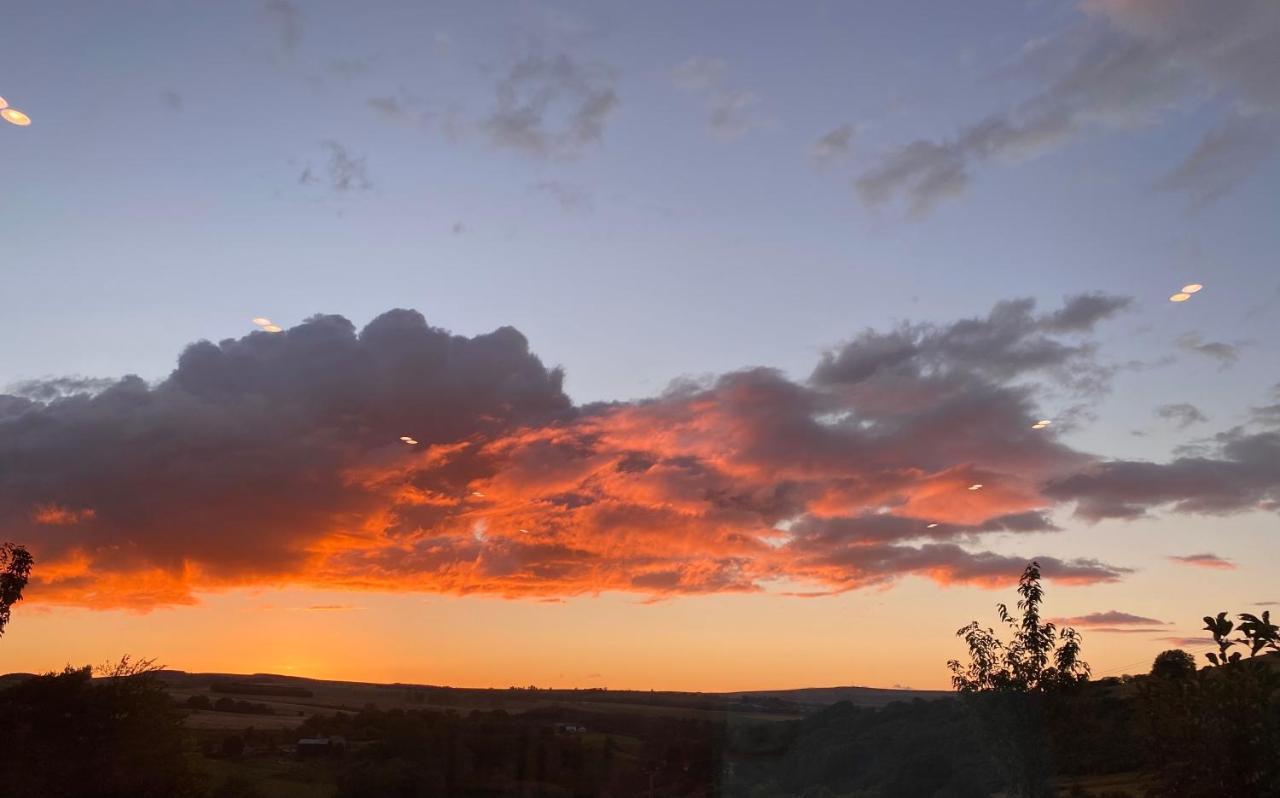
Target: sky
column 703, row 322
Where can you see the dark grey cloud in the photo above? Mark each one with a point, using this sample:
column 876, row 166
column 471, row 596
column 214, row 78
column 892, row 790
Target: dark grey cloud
column 51, row 388
column 342, row 172
column 1184, row 414
column 731, row 111
column 861, row 566
column 552, row 106
column 1121, row 66
column 1012, row 340
column 1240, row 473
column 243, row 453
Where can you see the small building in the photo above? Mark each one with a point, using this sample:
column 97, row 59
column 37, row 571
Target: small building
column 320, row 746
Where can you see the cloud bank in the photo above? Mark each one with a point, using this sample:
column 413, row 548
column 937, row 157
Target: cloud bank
column 279, row 459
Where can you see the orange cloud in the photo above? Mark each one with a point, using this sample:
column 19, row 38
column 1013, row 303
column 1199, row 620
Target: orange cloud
column 57, row 515
column 279, row 459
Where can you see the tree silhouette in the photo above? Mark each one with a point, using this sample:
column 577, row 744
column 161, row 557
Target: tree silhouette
column 15, row 568
column 1013, row 687
column 1038, row 658
column 1173, row 664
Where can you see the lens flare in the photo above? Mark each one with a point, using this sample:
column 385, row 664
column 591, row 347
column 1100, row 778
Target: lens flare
column 273, row 328
column 1191, row 288
column 16, row 117
column 262, row 321
column 976, row 486
column 1180, row 297
column 4, row 103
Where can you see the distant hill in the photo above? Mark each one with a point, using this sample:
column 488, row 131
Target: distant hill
column 298, row 697
column 858, row 696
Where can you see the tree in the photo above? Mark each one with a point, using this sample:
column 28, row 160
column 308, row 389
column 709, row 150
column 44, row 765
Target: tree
column 1217, row 731
column 15, row 568
column 68, row 735
column 1039, row 657
column 1173, row 664
column 1013, row 687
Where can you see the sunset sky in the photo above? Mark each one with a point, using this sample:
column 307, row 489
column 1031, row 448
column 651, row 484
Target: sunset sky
column 720, row 332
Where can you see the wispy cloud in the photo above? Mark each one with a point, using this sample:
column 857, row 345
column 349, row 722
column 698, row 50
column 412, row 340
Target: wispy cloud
column 286, row 18
column 552, row 106
column 1204, row 560
column 731, row 111
column 833, row 146
column 1184, row 414
column 567, row 196
column 1120, row 66
column 342, row 172
column 1100, row 621
column 1225, row 353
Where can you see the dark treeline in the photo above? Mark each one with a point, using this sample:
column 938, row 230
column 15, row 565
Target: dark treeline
column 1178, row 733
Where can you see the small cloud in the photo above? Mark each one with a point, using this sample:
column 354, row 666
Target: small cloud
column 333, row 608
column 1182, row 413
column 1110, row 618
column 552, row 107
column 342, row 172
column 1226, row 354
column 1187, row 641
column 387, row 106
column 286, row 18
column 347, row 67
column 833, row 146
column 730, row 110
column 568, row 197
column 1204, row 560
column 171, row 100
column 457, row 228
column 58, row 515
column 399, row 110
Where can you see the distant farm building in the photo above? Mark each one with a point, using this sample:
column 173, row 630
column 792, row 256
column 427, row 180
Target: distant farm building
column 320, row 746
